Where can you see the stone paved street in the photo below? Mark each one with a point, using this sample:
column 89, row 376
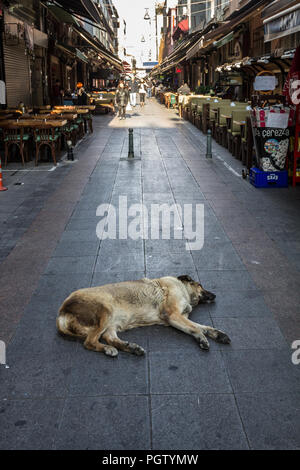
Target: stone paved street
column 57, row 395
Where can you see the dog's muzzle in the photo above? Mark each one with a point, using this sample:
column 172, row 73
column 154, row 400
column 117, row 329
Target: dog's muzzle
column 207, row 297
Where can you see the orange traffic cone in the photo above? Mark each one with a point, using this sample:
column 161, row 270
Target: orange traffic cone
column 2, row 188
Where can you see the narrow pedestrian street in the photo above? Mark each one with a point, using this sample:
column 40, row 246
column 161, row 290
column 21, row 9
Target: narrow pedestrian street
column 55, row 394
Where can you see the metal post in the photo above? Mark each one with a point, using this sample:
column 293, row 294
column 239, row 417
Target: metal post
column 131, row 149
column 70, row 150
column 208, row 148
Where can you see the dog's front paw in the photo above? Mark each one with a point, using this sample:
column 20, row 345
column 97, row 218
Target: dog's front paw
column 222, row 338
column 203, row 343
column 110, row 351
column 136, row 349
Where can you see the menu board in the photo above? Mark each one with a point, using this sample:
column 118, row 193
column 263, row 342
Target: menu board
column 265, row 83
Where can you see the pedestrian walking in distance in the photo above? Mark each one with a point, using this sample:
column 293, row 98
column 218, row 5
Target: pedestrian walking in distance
column 134, row 89
column 122, row 98
column 142, row 92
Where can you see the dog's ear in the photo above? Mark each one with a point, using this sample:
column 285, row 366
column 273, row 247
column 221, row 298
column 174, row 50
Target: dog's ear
column 185, row 278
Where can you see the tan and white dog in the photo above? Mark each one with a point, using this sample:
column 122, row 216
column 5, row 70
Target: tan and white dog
column 102, row 312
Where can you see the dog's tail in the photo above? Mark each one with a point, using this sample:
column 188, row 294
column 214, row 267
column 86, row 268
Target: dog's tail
column 67, row 323
column 77, row 316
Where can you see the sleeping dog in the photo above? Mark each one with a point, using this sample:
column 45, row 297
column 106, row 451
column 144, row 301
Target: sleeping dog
column 102, row 312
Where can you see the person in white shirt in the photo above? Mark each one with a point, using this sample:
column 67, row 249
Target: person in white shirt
column 142, row 92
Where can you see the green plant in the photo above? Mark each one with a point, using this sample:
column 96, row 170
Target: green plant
column 202, row 90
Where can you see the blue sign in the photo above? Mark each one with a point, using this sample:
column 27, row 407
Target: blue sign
column 149, row 64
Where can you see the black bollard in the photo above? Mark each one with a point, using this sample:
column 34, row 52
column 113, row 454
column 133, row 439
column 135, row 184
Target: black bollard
column 131, row 149
column 70, row 154
column 208, row 149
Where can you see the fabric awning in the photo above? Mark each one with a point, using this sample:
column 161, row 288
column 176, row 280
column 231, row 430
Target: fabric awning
column 183, row 27
column 107, row 55
column 227, row 27
column 85, row 8
column 224, row 40
column 62, row 15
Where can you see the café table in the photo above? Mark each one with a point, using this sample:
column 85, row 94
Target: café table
column 34, row 124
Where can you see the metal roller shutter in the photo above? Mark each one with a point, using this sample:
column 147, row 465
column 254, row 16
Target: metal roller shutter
column 17, row 75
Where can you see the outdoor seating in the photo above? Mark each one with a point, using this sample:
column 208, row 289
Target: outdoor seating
column 18, row 137
column 47, row 136
column 234, row 133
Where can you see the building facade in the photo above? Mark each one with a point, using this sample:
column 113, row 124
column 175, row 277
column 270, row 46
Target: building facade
column 43, row 42
column 225, row 45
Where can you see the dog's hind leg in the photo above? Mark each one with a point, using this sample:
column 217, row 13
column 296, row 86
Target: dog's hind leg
column 111, row 337
column 92, row 343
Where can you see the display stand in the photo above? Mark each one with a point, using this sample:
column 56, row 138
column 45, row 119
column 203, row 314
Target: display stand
column 296, row 179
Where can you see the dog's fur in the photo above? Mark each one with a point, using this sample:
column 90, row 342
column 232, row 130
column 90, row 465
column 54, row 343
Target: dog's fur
column 102, row 312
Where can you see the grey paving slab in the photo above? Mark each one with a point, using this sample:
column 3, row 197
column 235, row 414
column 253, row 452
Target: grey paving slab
column 76, row 248
column 36, row 370
column 71, row 265
column 116, row 423
column 197, row 422
column 83, row 224
column 239, row 304
column 218, row 281
column 29, row 424
column 122, row 375
column 80, row 236
column 176, row 372
column 262, row 371
column 109, row 277
column 252, row 333
column 220, row 256
column 116, row 262
column 169, row 261
column 61, row 285
column 271, row 420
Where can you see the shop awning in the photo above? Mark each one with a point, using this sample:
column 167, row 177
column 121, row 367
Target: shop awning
column 282, row 24
column 224, row 40
column 180, row 53
column 84, row 8
column 104, row 53
column 228, row 27
column 62, row 15
column 183, row 27
column 81, row 56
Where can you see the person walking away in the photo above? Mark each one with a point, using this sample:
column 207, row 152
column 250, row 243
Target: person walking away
column 82, row 97
column 182, row 91
column 134, row 88
column 149, row 90
column 122, row 99
column 142, row 92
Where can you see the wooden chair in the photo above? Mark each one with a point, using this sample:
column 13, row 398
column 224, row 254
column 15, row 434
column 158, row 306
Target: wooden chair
column 17, row 136
column 46, row 136
column 221, row 125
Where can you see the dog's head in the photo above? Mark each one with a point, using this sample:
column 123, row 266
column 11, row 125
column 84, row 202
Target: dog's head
column 198, row 294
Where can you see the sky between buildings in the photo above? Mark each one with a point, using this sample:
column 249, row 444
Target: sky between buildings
column 133, row 12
